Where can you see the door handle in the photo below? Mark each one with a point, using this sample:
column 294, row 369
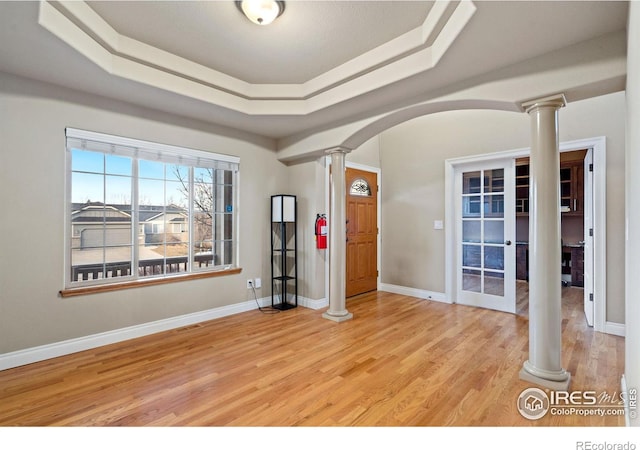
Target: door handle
column 507, row 242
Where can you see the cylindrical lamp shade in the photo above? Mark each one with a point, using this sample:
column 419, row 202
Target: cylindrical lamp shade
column 283, row 208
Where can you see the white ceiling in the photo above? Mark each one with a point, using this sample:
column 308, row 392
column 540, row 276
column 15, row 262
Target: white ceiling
column 307, row 40
column 320, row 64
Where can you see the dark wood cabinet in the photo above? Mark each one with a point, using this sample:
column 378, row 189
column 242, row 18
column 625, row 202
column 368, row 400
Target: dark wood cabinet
column 522, row 262
column 572, row 207
column 573, row 264
column 572, row 187
column 522, row 186
column 577, row 266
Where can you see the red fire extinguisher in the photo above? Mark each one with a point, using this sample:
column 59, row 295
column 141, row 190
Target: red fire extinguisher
column 321, row 231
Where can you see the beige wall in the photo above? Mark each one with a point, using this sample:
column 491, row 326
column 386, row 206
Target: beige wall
column 412, row 158
column 367, row 154
column 32, row 182
column 307, row 182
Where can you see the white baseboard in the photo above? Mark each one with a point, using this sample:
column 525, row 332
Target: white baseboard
column 413, row 292
column 302, row 301
column 48, row 351
column 614, row 328
column 313, row 303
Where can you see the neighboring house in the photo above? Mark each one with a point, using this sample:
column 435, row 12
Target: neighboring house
column 163, row 224
column 96, row 224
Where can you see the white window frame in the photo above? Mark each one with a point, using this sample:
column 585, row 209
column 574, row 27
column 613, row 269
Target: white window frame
column 146, row 150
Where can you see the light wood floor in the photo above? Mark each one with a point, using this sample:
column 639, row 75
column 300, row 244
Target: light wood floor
column 400, row 362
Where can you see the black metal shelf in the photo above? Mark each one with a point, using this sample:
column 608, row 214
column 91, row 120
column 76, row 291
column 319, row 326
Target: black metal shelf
column 284, row 278
column 284, row 255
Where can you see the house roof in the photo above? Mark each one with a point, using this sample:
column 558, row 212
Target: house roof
column 146, row 213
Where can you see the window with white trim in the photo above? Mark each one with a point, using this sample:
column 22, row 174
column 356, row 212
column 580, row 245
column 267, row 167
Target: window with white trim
column 138, row 210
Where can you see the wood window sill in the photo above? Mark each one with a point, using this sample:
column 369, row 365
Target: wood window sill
column 147, row 282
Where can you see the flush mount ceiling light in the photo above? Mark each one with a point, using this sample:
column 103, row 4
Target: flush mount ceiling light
column 261, row 12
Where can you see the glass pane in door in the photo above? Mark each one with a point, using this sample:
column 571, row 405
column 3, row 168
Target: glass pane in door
column 494, row 206
column 471, row 230
column 471, row 182
column 494, row 283
column 494, row 258
column 471, row 280
column 472, row 256
column 494, row 231
column 471, row 206
column 494, row 180
column 483, row 231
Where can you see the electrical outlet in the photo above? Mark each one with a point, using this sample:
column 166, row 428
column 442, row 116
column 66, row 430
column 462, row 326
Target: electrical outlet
column 258, row 283
column 249, row 283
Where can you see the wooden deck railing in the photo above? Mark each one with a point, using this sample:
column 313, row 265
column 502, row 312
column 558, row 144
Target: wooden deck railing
column 147, row 267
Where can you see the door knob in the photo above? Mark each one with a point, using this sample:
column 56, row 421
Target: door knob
column 507, row 242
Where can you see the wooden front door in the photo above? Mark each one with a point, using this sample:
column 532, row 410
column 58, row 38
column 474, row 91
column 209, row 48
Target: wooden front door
column 362, row 232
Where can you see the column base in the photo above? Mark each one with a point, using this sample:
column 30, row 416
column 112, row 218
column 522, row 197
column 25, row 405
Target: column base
column 342, row 318
column 558, row 381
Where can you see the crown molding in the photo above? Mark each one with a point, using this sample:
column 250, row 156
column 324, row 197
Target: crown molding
column 417, row 51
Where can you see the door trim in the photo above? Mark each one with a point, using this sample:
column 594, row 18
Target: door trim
column 599, row 218
column 599, row 221
column 365, row 168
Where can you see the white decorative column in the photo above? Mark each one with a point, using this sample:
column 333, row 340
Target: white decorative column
column 337, row 239
column 544, row 366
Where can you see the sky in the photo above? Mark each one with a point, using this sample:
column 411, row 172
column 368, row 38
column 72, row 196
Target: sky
column 107, row 178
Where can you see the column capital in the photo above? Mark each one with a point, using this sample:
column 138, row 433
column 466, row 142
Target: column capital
column 344, row 150
column 556, row 101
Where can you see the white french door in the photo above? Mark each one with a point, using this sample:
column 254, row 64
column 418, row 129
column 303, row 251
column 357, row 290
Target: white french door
column 485, row 234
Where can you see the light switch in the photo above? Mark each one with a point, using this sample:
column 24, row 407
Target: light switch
column 438, row 225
